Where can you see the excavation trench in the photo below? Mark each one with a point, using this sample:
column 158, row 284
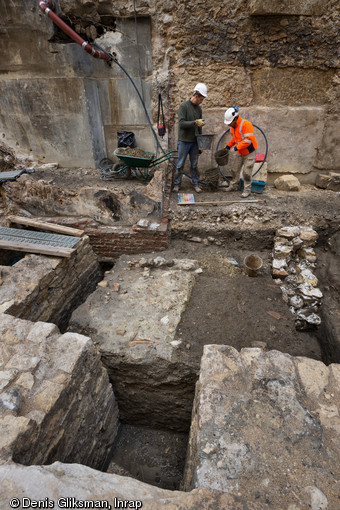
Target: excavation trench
column 150, row 323
column 150, row 318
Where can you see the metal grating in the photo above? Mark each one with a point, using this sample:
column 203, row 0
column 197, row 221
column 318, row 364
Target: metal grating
column 11, row 175
column 34, row 237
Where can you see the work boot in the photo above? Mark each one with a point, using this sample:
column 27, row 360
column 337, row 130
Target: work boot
column 245, row 194
column 233, row 186
column 175, row 189
column 197, row 189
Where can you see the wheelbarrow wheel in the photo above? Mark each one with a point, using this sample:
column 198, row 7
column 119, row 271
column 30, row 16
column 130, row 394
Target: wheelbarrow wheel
column 121, row 171
column 106, row 164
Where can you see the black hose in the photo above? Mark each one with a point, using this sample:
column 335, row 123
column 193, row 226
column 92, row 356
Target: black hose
column 265, row 156
column 155, row 134
column 139, row 95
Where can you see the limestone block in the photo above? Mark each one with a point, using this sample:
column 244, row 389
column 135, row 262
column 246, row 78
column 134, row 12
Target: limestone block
column 309, row 86
column 10, row 427
column 74, row 484
column 287, row 129
column 148, row 342
column 279, row 273
column 328, row 155
column 257, row 417
column 308, row 292
column 271, row 7
column 6, row 376
column 62, row 389
column 309, row 237
column 222, row 87
column 287, row 183
column 307, row 253
column 282, row 251
column 288, row 232
column 279, row 264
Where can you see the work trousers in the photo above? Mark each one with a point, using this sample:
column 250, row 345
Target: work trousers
column 183, row 150
column 242, row 168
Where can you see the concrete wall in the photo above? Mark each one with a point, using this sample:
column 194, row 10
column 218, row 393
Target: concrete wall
column 278, row 62
column 57, row 103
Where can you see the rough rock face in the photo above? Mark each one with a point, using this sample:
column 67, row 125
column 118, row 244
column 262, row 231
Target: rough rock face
column 43, row 197
column 56, row 402
column 266, row 426
column 287, row 183
column 61, row 481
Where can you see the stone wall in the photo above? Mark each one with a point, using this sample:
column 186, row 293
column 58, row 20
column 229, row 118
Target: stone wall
column 266, row 426
column 280, row 64
column 56, row 402
column 43, row 288
column 135, row 332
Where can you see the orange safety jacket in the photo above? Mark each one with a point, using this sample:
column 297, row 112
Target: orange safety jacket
column 243, row 137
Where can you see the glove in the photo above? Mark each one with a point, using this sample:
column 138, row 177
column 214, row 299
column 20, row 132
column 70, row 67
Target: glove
column 227, row 147
column 235, row 148
column 199, row 122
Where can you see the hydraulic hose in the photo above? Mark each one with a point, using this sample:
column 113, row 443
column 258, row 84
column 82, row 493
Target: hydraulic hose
column 111, row 57
column 45, row 6
column 265, row 156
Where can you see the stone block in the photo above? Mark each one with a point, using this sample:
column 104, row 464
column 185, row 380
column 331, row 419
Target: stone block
column 61, row 391
column 287, row 183
column 308, row 86
column 73, row 484
column 327, row 157
column 257, row 417
column 277, row 7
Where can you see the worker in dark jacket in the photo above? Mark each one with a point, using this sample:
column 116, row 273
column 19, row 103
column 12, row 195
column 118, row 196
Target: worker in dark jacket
column 190, row 124
column 245, row 144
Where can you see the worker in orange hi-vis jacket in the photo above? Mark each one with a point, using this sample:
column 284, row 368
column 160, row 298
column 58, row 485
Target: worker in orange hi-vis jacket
column 245, row 144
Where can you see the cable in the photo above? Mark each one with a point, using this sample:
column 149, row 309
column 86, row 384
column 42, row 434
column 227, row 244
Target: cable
column 139, row 62
column 139, row 95
column 265, row 156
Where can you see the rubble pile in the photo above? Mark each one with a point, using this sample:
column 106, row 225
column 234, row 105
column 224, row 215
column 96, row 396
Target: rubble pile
column 294, row 261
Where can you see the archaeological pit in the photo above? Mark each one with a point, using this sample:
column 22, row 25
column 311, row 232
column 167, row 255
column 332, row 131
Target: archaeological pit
column 144, row 361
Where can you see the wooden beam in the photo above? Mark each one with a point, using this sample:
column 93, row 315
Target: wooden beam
column 53, row 227
column 37, row 248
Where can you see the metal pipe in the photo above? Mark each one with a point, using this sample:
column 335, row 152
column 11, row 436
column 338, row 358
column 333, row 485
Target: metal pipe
column 45, row 6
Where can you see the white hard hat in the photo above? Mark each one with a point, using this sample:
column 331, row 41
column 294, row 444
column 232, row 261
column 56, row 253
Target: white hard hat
column 201, row 88
column 230, row 115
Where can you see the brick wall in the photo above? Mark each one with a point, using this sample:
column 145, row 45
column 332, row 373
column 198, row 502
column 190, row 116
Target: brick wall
column 109, row 243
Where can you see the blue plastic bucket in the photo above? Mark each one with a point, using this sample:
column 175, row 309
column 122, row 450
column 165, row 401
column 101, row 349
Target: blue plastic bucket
column 256, row 186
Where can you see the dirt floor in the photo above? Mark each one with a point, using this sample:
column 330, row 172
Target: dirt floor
column 156, row 457
column 229, row 307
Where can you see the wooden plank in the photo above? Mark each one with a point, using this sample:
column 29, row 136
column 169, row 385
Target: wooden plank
column 53, row 227
column 36, row 248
